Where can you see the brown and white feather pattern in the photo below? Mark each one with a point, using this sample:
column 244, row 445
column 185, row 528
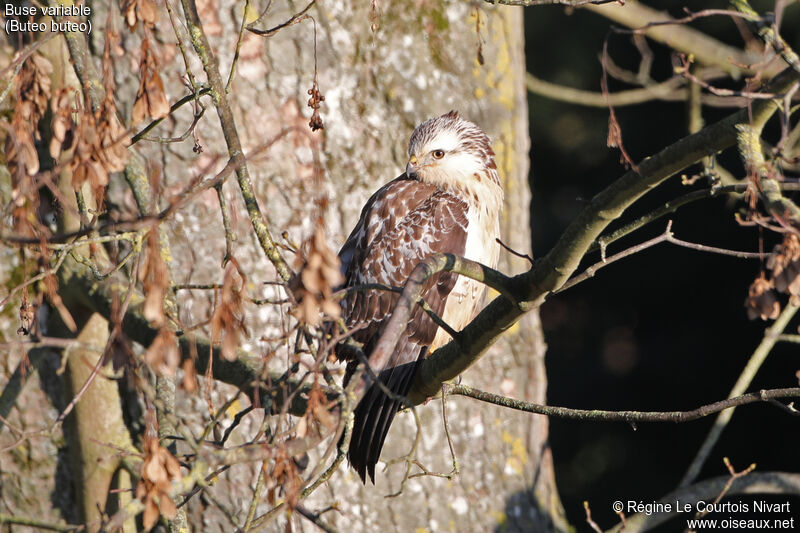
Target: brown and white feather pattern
column 448, row 201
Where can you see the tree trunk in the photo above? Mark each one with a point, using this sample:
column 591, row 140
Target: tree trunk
column 383, row 68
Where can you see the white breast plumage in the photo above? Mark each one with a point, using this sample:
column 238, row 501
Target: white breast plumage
column 464, row 301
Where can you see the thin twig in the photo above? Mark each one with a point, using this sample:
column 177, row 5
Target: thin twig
column 204, row 50
column 409, row 458
column 734, row 476
column 589, row 520
column 510, row 250
column 38, row 524
column 238, row 46
column 671, row 90
column 294, row 19
column 667, row 236
column 174, row 107
column 185, row 135
column 315, row 519
column 625, row 416
column 789, row 338
column 691, row 16
column 532, row 3
column 685, row 71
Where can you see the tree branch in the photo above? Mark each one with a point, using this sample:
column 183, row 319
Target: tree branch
column 667, row 236
column 225, row 113
column 670, row 90
column 771, row 336
column 677, row 36
column 623, row 416
column 412, row 293
column 247, row 372
column 532, row 3
column 549, row 273
column 768, row 34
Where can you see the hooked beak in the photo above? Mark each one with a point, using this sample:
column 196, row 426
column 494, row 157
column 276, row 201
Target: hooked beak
column 411, row 167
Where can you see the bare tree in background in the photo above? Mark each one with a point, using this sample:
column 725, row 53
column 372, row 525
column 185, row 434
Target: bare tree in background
column 176, row 183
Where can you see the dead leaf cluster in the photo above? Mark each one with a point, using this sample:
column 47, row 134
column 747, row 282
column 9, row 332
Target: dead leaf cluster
column 135, row 11
column 784, row 265
column 100, row 149
column 101, row 140
column 155, row 281
column 159, row 469
column 91, row 143
column 227, row 321
column 26, row 315
column 314, row 103
column 151, row 101
column 33, row 96
column 762, row 301
column 319, row 407
column 319, row 274
column 283, row 478
column 21, row 154
column 163, row 355
column 34, row 88
column 63, row 125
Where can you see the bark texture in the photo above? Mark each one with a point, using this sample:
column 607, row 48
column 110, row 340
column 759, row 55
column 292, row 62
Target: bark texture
column 383, row 68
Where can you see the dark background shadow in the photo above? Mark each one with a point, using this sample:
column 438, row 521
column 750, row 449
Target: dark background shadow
column 665, row 329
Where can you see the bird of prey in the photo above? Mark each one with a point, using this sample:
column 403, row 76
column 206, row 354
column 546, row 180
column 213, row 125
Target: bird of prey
column 448, row 201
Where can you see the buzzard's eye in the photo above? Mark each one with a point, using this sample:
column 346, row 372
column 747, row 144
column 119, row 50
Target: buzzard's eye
column 438, row 154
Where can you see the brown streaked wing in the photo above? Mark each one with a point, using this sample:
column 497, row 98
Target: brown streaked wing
column 415, row 220
column 410, row 231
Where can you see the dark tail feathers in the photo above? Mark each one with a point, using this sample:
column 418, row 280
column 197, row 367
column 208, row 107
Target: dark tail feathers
column 373, row 416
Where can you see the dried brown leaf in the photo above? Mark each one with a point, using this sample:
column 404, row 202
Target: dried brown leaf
column 159, row 470
column 762, row 302
column 151, row 101
column 189, row 381
column 150, row 515
column 227, row 321
column 785, row 266
column 135, row 11
column 21, row 153
column 168, row 507
column 319, row 276
column 34, row 86
column 26, row 315
column 155, row 280
column 163, row 354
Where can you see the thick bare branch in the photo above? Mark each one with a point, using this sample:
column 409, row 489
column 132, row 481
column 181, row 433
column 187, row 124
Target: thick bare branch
column 551, row 272
column 412, row 293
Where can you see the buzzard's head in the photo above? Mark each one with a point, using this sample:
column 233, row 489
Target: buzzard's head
column 451, row 152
